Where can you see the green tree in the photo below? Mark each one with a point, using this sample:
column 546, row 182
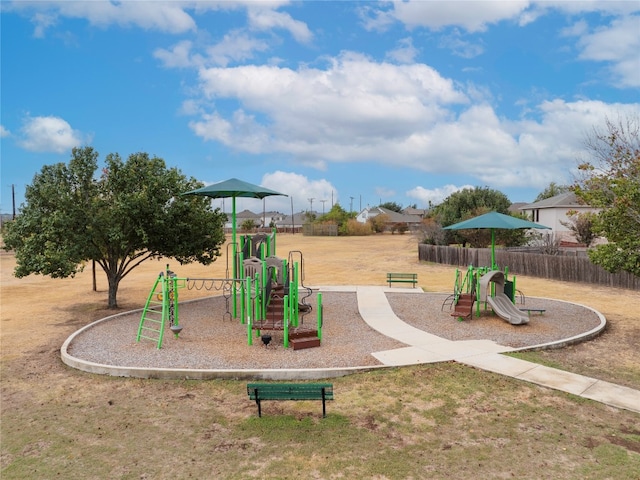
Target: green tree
column 393, row 206
column 610, row 181
column 469, row 203
column 338, row 216
column 552, row 190
column 130, row 212
column 248, row 225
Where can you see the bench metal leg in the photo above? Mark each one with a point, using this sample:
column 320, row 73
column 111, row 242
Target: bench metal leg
column 255, row 393
column 324, row 409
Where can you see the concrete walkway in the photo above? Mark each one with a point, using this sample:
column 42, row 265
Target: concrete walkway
column 423, row 347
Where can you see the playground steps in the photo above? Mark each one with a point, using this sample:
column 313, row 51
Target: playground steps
column 304, row 338
column 464, row 305
column 276, row 306
column 300, row 337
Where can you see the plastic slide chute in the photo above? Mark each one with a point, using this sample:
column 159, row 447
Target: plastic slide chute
column 500, row 303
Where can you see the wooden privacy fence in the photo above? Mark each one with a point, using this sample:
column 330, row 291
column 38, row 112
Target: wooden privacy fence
column 320, row 230
column 568, row 268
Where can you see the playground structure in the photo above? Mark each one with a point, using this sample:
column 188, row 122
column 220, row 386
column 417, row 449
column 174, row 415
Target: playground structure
column 264, row 292
column 480, row 285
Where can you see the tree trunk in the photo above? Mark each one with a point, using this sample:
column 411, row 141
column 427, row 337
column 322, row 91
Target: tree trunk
column 114, row 281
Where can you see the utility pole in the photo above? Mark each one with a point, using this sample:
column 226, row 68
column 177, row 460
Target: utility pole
column 311, row 204
column 323, row 206
column 351, row 205
column 13, row 199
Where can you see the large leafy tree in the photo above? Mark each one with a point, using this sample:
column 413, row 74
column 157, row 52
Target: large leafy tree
column 120, row 216
column 469, row 203
column 610, row 181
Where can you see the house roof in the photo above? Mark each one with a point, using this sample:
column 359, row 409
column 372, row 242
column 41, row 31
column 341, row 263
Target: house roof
column 299, row 219
column 394, row 217
column 516, row 206
column 564, row 200
column 414, row 211
column 247, row 214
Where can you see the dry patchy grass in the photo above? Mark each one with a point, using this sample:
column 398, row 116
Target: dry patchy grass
column 434, row 421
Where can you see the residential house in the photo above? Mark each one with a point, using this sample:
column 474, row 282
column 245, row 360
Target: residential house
column 552, row 212
column 419, row 212
column 260, row 220
column 393, row 218
column 294, row 223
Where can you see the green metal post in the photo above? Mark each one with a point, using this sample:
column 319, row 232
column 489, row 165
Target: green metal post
column 249, row 332
column 293, row 296
column 243, row 291
column 319, row 308
column 247, row 298
column 477, row 292
column 165, row 308
column 263, row 290
column 286, row 321
column 175, row 303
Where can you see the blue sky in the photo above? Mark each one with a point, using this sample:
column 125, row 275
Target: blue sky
column 344, row 102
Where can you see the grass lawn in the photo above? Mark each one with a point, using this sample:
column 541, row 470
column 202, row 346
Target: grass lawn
column 422, row 422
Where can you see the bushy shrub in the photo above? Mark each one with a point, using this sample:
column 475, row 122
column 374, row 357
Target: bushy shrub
column 400, row 227
column 356, row 229
column 379, row 223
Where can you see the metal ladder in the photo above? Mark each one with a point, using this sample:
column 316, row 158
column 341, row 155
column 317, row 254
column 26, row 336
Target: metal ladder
column 155, row 313
column 161, row 307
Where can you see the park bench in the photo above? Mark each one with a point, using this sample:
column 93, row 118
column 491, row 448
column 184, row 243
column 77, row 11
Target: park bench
column 411, row 278
column 529, row 310
column 290, row 391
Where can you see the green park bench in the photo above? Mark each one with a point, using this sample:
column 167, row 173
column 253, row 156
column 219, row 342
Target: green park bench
column 411, row 278
column 290, row 391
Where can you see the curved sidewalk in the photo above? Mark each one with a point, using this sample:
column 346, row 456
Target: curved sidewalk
column 424, row 347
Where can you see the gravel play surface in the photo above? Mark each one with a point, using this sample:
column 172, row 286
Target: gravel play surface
column 210, row 340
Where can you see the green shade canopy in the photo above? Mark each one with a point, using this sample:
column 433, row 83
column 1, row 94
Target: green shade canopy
column 492, row 221
column 233, row 188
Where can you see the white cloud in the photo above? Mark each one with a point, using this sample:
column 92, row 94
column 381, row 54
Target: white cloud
column 178, row 56
column 426, row 197
column 618, row 44
column 261, row 18
column 299, row 189
column 404, row 53
column 235, row 46
column 169, row 17
column 397, row 115
column 345, row 112
column 49, row 134
column 4, row 132
column 458, row 46
column 471, row 16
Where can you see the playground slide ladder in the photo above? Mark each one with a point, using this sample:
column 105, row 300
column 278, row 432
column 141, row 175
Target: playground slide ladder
column 155, row 313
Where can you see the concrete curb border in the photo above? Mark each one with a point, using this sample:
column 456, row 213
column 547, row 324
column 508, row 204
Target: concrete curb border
column 263, row 374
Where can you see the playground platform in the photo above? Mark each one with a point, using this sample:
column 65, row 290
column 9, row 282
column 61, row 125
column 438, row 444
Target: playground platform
column 414, row 346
